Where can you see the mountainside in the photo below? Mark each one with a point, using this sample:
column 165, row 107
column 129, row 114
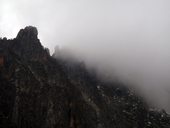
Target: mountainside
column 41, row 91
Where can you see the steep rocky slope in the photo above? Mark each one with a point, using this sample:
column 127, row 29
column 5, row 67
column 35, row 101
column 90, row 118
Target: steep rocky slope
column 40, row 91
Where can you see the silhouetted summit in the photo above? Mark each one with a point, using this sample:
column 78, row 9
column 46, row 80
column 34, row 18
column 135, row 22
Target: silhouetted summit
column 28, row 32
column 28, row 45
column 40, row 91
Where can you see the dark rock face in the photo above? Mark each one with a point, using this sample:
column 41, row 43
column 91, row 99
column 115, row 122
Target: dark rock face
column 29, row 32
column 38, row 91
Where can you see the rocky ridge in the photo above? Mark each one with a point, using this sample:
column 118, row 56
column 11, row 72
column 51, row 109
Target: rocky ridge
column 42, row 91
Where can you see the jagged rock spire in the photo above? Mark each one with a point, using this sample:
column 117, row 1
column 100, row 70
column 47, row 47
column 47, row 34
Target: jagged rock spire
column 28, row 45
column 28, row 32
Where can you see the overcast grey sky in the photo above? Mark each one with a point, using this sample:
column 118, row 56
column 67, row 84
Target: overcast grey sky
column 70, row 21
column 131, row 37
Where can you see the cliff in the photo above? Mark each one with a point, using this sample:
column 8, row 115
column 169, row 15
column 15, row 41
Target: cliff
column 40, row 91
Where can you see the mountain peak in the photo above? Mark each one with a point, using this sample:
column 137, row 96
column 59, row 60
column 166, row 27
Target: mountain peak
column 28, row 32
column 37, row 90
column 28, row 45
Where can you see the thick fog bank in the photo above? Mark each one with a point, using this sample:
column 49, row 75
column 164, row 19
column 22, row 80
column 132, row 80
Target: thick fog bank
column 142, row 69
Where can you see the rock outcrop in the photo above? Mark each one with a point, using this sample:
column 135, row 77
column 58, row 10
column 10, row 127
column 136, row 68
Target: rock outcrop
column 40, row 91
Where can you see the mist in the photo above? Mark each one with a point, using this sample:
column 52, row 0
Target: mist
column 129, row 39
